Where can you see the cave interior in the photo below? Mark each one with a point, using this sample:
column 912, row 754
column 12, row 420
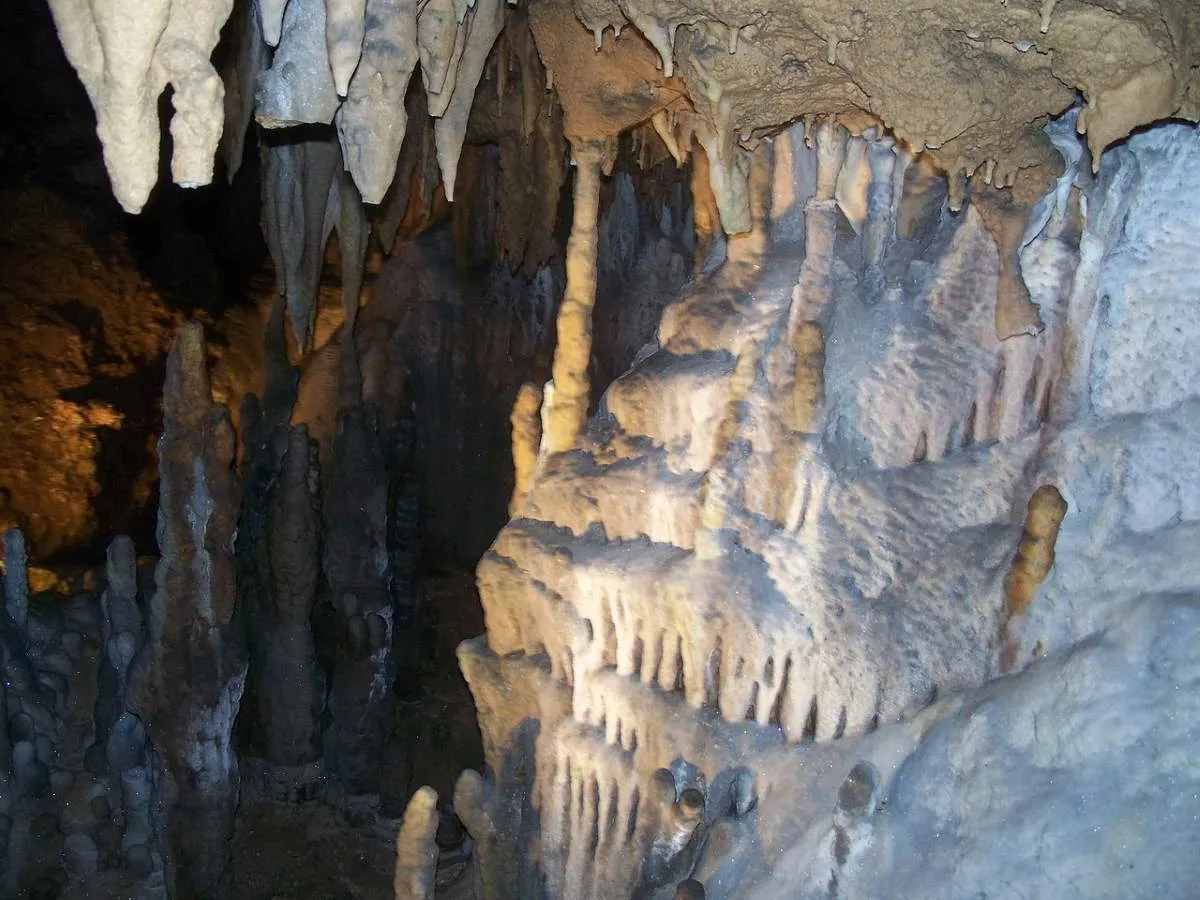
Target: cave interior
column 615, row 449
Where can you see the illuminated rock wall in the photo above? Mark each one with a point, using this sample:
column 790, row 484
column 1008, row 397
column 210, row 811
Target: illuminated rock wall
column 709, row 609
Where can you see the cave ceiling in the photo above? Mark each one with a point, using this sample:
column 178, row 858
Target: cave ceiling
column 972, row 82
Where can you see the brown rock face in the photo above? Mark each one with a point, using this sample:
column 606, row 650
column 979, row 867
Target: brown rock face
column 972, row 81
column 83, row 331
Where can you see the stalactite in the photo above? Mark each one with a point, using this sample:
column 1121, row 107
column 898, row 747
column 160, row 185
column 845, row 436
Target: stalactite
column 376, row 94
column 728, row 170
column 306, row 197
column 345, row 28
column 811, row 296
column 437, row 31
column 298, row 87
column 297, row 219
column 271, row 18
column 1016, row 313
column 408, row 201
column 353, row 231
column 879, row 230
column 566, row 407
column 482, row 26
column 125, row 60
column 240, row 75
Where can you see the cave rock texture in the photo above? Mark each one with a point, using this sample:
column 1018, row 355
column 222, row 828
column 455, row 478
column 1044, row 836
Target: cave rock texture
column 194, row 636
column 845, row 353
column 746, row 630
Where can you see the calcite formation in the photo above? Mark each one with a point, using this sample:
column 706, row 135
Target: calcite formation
column 727, row 628
column 74, row 766
column 923, row 416
column 565, row 407
column 971, row 81
column 126, row 54
column 194, row 637
column 416, row 852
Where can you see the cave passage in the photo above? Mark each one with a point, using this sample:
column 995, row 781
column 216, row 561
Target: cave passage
column 592, row 449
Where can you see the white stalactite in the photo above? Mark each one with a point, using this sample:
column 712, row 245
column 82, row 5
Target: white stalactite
column 126, row 53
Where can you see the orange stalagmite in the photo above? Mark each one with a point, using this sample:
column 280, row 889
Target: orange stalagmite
column 526, row 438
column 1031, row 565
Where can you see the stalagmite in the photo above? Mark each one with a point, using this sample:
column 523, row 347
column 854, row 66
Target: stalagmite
column 1032, row 563
column 416, row 849
column 482, row 26
column 16, row 578
column 194, row 641
column 123, row 632
column 376, row 95
column 358, row 576
column 566, row 409
column 287, row 682
column 298, row 88
column 526, row 440
column 125, row 55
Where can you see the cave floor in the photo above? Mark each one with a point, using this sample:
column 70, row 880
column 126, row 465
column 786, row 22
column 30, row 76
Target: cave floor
column 298, row 853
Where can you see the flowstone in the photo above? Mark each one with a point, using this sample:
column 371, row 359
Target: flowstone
column 743, row 630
